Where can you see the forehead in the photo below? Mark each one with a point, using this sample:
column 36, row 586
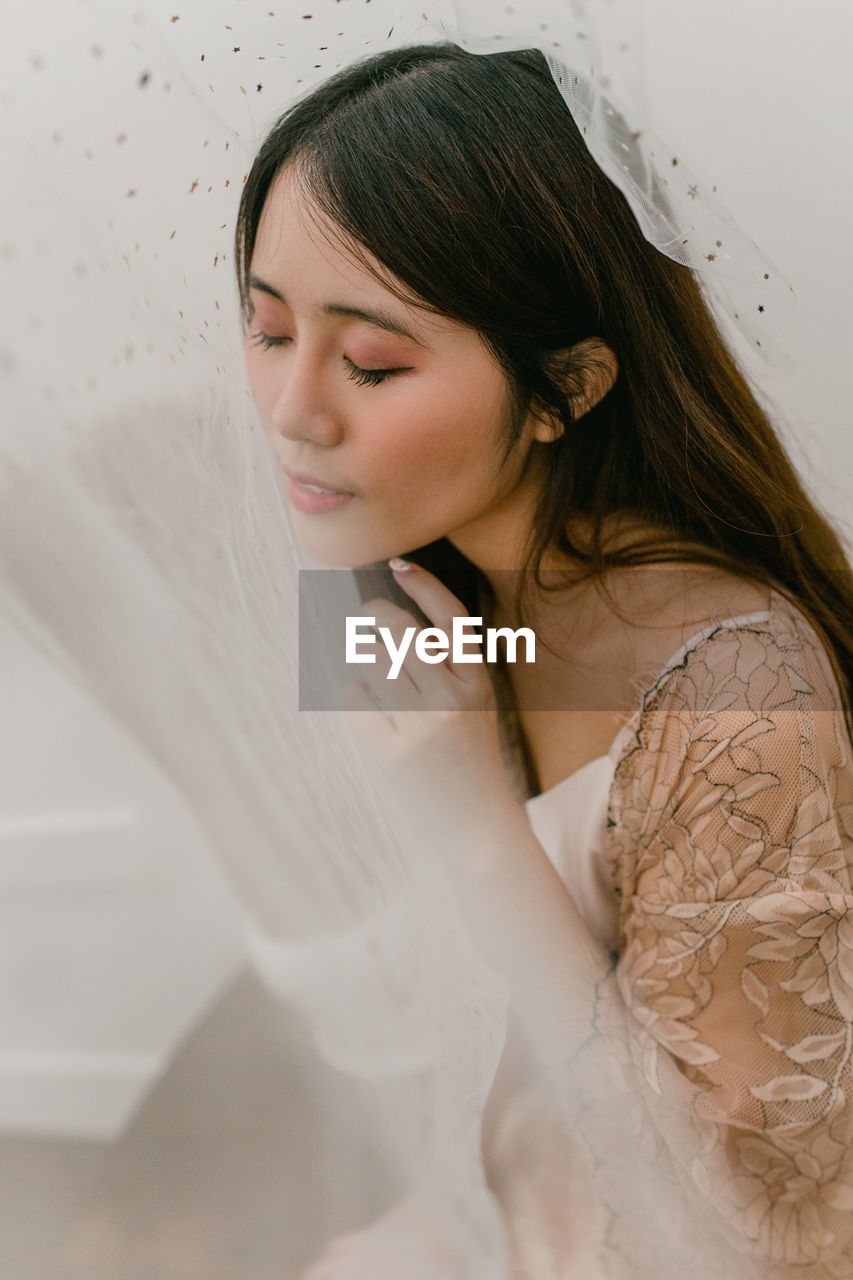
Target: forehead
column 295, row 238
column 304, row 256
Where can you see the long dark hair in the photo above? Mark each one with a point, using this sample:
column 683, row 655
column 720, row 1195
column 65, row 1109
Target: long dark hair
column 466, row 176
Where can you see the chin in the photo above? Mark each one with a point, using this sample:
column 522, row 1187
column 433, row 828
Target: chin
column 346, row 557
column 334, row 550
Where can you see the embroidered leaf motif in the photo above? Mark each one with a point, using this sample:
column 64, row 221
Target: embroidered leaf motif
column 813, row 1048
column 755, row 991
column 789, row 1089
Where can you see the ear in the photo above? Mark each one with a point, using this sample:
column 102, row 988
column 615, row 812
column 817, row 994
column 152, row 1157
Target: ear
column 594, row 365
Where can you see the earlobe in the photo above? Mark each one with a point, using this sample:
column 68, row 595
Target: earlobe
column 547, row 430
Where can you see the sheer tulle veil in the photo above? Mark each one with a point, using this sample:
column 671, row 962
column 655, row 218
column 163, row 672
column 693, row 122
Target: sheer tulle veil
column 145, row 542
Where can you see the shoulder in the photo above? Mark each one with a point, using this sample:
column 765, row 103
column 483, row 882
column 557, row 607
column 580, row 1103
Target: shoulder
column 649, row 622
column 747, row 712
column 738, row 769
column 754, row 652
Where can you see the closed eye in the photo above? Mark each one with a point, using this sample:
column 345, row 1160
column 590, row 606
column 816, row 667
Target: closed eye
column 365, row 377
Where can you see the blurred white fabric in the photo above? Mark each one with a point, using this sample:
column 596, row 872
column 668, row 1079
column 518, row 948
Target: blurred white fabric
column 145, row 545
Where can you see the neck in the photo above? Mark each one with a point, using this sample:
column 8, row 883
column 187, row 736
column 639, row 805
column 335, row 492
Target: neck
column 496, row 542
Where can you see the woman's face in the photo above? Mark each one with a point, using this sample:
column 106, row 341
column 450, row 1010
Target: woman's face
column 418, row 447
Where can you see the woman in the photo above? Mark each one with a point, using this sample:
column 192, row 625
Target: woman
column 455, row 325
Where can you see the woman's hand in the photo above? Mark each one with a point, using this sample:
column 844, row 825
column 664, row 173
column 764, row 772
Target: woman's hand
column 438, row 743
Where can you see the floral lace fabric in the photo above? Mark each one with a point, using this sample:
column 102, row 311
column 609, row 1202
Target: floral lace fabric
column 714, row 1096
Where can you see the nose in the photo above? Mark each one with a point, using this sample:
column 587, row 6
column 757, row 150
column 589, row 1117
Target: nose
column 302, row 409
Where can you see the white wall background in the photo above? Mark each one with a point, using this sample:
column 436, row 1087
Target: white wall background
column 116, row 928
column 762, row 94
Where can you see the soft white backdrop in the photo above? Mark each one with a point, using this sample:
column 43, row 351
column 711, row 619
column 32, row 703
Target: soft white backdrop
column 116, row 928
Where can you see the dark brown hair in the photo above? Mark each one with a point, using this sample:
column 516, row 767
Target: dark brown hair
column 466, row 176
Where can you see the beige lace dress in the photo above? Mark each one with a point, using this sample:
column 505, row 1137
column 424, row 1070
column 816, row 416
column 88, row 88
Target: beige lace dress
column 707, row 1126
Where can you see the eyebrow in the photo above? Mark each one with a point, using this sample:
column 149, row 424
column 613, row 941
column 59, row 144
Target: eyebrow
column 381, row 319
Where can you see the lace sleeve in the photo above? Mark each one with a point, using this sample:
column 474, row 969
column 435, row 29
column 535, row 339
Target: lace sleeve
column 730, row 1009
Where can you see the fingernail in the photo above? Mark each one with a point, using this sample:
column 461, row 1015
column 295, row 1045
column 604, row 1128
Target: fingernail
column 401, row 566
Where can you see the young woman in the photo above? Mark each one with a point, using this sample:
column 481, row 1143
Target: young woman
column 464, row 352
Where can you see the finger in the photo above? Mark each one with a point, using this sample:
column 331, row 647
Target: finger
column 401, row 690
column 440, row 605
column 372, row 610
column 420, row 684
column 429, row 593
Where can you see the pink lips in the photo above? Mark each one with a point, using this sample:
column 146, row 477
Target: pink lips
column 314, row 503
column 303, row 478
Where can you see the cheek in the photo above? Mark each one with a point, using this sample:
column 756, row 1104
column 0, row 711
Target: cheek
column 445, row 439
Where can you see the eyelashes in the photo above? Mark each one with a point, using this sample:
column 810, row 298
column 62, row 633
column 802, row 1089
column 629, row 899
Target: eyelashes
column 364, row 377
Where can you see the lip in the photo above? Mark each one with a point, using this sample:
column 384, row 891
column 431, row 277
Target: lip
column 302, row 478
column 313, row 503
